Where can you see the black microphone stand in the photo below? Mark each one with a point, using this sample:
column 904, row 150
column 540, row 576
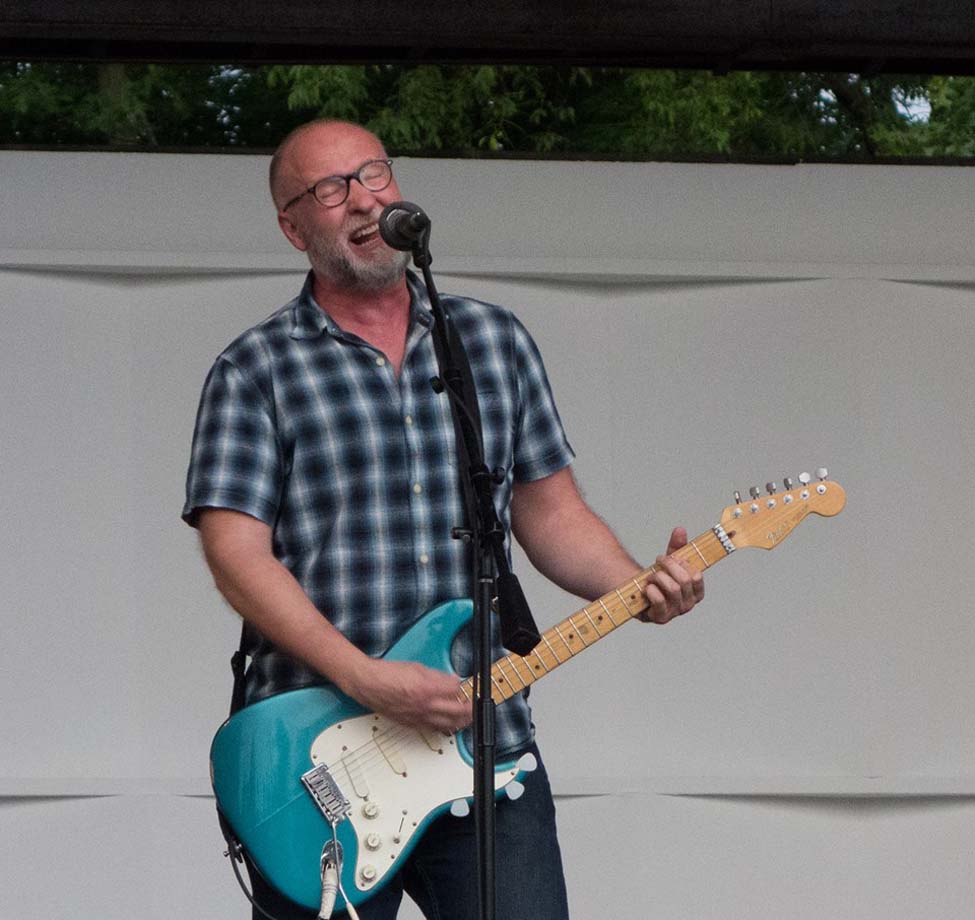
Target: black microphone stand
column 486, row 536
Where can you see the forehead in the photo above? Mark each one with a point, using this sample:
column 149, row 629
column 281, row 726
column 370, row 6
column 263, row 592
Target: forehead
column 326, row 150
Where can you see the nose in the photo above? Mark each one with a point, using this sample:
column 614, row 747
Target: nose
column 360, row 198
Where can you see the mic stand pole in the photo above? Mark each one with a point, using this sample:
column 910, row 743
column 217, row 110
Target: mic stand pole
column 487, row 539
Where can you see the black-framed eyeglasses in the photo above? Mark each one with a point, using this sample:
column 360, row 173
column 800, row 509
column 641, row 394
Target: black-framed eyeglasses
column 374, row 175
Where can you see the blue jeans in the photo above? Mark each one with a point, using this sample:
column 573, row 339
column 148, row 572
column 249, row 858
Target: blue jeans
column 441, row 873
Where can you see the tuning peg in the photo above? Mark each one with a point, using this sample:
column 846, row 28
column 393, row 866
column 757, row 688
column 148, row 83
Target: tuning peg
column 805, row 478
column 770, row 487
column 822, row 473
column 737, row 497
column 754, row 492
column 787, row 484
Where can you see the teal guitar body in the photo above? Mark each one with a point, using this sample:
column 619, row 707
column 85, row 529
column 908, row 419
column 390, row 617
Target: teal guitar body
column 285, row 768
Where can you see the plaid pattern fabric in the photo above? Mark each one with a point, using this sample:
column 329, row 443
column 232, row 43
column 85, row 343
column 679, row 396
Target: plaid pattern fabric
column 307, row 428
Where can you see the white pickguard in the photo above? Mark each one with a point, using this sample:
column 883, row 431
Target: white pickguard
column 393, row 776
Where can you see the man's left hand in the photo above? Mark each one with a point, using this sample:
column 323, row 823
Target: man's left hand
column 673, row 589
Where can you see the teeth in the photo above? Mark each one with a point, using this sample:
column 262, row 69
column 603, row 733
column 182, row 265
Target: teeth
column 364, row 231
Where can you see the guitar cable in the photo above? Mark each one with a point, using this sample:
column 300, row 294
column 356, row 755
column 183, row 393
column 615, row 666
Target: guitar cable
column 332, row 878
column 236, row 855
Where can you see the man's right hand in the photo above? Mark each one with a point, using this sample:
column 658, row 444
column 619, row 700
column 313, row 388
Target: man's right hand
column 412, row 694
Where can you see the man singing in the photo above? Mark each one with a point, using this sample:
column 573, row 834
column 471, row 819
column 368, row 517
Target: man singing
column 324, row 484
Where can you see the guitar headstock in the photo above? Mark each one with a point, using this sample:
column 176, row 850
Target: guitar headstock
column 766, row 520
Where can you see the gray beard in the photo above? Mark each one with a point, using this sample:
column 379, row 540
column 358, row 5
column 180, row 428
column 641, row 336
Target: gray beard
column 336, row 265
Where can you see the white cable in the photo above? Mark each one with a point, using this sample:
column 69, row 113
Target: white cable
column 330, row 888
column 332, row 881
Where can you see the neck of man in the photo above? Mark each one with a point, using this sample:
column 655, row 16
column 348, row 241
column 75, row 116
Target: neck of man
column 379, row 316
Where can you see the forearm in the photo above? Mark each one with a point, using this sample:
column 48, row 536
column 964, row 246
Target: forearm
column 267, row 595
column 567, row 541
column 583, row 557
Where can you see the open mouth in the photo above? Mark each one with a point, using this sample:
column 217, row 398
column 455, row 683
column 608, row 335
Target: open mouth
column 364, row 234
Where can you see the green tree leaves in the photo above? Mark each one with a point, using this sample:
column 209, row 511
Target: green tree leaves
column 489, row 109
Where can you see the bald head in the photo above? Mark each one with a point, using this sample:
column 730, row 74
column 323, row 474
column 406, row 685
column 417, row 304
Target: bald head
column 292, row 166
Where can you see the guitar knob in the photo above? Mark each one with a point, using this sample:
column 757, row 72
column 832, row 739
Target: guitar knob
column 368, row 874
column 822, row 473
column 754, row 492
column 373, row 841
column 805, row 478
column 787, row 484
column 370, row 810
column 770, row 488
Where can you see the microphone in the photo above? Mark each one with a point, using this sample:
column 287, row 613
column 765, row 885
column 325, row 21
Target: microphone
column 401, row 225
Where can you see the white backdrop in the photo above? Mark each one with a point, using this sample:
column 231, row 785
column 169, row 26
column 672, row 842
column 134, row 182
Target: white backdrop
column 706, row 328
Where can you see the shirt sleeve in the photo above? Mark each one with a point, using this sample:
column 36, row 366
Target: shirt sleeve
column 235, row 461
column 541, row 446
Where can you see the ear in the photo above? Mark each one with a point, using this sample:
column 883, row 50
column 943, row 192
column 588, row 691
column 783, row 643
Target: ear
column 291, row 231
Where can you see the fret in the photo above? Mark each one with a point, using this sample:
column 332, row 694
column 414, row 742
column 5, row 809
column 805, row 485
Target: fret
column 642, row 597
column 580, row 632
column 548, row 644
column 500, row 671
column 564, row 642
column 585, row 610
column 694, row 544
column 511, row 662
column 606, row 610
column 619, row 594
column 540, row 662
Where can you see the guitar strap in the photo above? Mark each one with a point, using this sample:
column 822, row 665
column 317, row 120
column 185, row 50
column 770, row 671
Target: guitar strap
column 469, row 400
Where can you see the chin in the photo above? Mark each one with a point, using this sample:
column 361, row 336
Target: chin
column 369, row 276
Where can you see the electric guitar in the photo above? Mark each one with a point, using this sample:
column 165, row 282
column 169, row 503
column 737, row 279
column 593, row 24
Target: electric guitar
column 309, row 779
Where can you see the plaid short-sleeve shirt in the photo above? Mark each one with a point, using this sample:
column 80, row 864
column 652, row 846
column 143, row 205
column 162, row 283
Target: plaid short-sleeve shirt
column 308, row 428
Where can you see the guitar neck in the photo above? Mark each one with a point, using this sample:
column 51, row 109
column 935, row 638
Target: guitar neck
column 565, row 640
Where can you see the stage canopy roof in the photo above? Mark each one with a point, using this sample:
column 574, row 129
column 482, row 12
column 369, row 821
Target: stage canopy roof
column 720, row 35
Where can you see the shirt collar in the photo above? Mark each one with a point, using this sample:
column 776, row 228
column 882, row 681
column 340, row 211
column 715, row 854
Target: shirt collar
column 309, row 320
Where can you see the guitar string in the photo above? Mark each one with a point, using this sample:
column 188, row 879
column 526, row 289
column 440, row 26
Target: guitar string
column 377, row 751
column 392, row 737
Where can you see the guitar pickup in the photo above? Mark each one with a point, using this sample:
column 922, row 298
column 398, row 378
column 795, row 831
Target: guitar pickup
column 326, row 793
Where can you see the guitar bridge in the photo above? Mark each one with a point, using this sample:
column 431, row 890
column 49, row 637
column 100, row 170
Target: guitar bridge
column 326, row 793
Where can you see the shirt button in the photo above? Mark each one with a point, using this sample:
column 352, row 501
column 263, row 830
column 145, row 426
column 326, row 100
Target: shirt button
column 424, row 558
column 408, row 420
column 381, row 361
column 417, row 488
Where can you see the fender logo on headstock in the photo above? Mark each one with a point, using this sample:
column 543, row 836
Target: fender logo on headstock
column 787, row 525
